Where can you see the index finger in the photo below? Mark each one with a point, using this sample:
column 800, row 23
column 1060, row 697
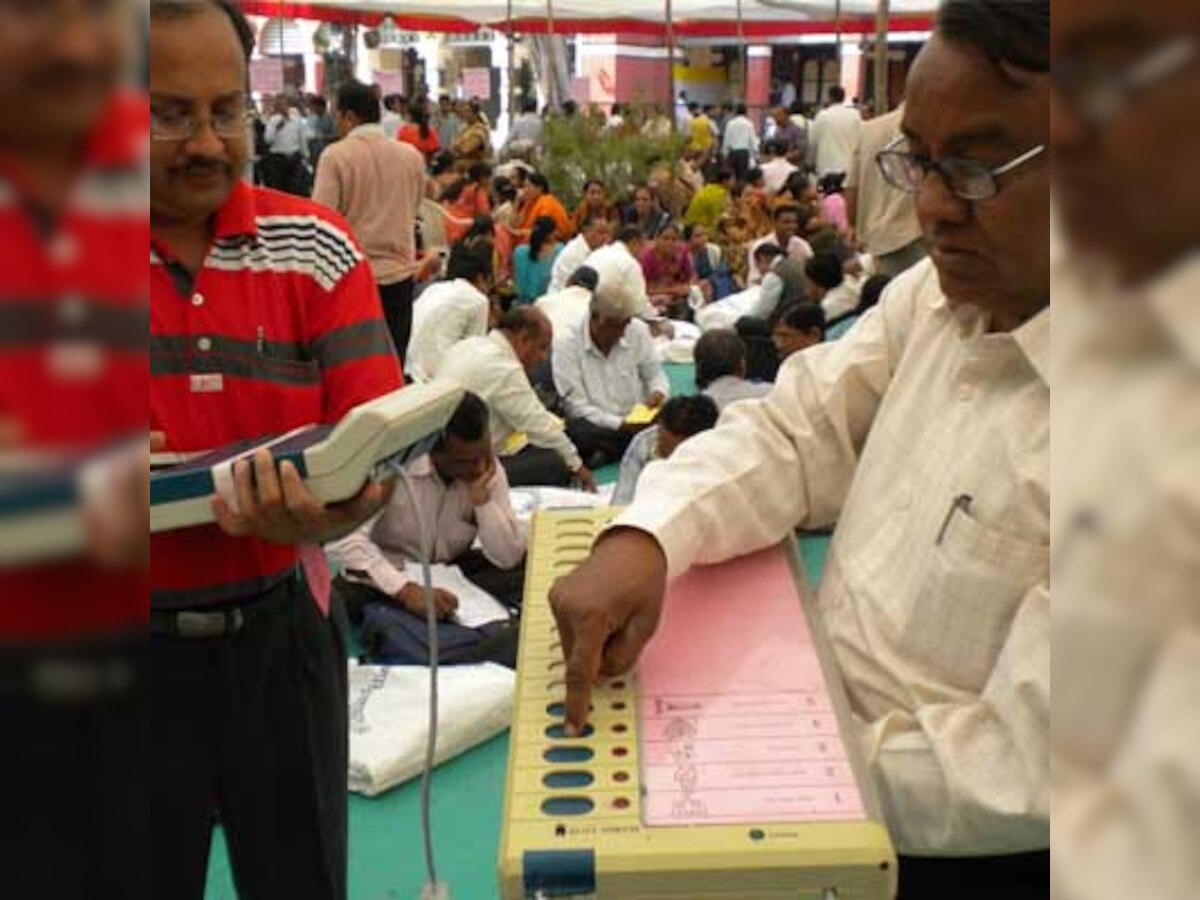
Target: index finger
column 583, row 668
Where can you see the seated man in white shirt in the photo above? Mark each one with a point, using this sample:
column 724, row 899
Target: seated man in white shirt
column 595, row 233
column 790, row 222
column 681, row 418
column 451, row 311
column 721, row 367
column 924, row 435
column 532, row 443
column 776, row 167
column 603, row 369
column 570, row 306
column 462, row 495
column 618, row 267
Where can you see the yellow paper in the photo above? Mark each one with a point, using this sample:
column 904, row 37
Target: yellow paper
column 641, row 415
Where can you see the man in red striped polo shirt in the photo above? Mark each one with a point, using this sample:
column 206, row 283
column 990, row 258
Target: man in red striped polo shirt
column 264, row 317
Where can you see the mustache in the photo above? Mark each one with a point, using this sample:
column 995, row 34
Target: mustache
column 202, row 165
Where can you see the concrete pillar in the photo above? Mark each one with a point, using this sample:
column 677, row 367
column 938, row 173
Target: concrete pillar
column 758, row 86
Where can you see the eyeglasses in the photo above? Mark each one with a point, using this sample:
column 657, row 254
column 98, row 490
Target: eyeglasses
column 177, row 124
column 968, row 179
column 1101, row 91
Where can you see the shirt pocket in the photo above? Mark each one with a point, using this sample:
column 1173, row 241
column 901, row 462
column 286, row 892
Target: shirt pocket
column 974, row 585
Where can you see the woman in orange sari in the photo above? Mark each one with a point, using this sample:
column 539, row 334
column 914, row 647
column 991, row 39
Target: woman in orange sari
column 540, row 202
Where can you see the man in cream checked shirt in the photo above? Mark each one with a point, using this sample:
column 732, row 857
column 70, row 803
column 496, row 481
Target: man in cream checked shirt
column 924, row 434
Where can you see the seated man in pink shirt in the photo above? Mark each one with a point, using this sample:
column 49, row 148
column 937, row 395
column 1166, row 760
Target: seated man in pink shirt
column 461, row 493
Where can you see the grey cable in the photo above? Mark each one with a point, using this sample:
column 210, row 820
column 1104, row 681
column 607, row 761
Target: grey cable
column 431, row 620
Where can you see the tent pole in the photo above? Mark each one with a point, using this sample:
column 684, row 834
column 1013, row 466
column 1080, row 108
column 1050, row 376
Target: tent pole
column 742, row 51
column 512, row 81
column 837, row 25
column 881, row 58
column 671, row 66
column 551, row 55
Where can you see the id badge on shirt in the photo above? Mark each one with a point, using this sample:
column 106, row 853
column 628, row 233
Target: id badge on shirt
column 211, row 383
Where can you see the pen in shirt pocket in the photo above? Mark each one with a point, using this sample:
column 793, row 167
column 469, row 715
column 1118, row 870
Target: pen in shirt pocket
column 961, row 504
column 261, row 344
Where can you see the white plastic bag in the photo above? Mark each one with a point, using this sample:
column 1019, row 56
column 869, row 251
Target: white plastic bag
column 389, row 718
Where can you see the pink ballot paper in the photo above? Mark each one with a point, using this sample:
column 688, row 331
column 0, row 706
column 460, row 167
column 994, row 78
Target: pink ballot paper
column 737, row 722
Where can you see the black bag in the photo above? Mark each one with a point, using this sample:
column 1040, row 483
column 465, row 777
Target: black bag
column 394, row 636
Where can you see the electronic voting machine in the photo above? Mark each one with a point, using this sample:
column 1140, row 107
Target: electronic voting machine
column 334, row 461
column 716, row 770
column 41, row 508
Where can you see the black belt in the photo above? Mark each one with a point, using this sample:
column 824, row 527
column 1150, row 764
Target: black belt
column 210, row 623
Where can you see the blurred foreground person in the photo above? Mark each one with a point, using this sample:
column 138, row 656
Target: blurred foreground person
column 1127, row 450
column 72, row 382
column 924, row 434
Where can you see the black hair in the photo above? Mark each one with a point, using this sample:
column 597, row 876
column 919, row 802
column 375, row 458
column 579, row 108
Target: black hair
column 872, row 291
column 596, row 181
column 483, row 227
column 419, row 113
column 470, row 422
column 671, row 225
column 740, row 109
column 718, row 353
column 787, row 209
column 479, row 171
column 689, row 230
column 538, row 180
column 469, row 262
column 797, row 108
column 778, row 148
column 529, row 105
column 592, row 219
column 359, row 99
column 570, row 108
column 825, row 270
column 453, row 191
column 804, row 317
column 768, row 252
column 1009, row 34
column 837, row 94
column 319, row 104
column 522, row 320
column 693, row 107
column 585, row 277
column 796, row 184
column 755, row 174
column 503, row 188
column 832, row 183
column 688, row 416
column 543, row 231
column 443, row 162
column 175, row 9
column 630, row 233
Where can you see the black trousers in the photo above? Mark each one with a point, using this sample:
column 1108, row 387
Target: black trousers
column 739, row 161
column 397, row 302
column 1022, row 876
column 536, row 467
column 72, row 771
column 250, row 730
column 286, row 172
column 598, row 446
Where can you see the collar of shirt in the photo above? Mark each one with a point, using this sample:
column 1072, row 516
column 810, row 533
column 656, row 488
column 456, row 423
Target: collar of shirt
column 1173, row 299
column 589, row 345
column 370, row 131
column 1032, row 337
column 500, row 339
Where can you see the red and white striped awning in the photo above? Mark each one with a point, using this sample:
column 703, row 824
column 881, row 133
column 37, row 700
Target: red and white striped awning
column 691, row 18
